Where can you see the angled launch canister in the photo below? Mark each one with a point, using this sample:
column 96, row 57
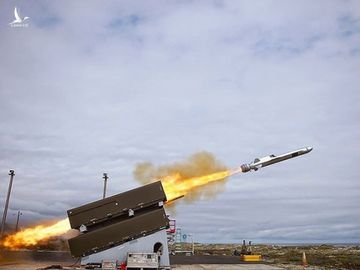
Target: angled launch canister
column 118, row 233
column 118, row 205
column 118, row 219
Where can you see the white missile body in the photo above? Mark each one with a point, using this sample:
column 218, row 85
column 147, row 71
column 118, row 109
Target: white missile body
column 269, row 160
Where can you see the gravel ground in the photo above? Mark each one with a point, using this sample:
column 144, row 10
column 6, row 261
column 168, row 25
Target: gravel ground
column 226, row 267
column 36, row 265
column 29, row 265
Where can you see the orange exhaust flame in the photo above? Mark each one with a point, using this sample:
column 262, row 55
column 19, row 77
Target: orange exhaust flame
column 34, row 235
column 174, row 186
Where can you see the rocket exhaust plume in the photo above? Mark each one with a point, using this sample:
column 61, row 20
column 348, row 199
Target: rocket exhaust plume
column 180, row 179
column 185, row 178
column 34, row 235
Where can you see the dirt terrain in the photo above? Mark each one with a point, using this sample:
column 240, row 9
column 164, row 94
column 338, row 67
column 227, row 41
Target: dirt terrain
column 324, row 256
column 274, row 257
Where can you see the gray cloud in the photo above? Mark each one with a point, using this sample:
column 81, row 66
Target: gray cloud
column 99, row 87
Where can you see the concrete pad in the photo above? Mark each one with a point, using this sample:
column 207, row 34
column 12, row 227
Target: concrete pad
column 225, row 267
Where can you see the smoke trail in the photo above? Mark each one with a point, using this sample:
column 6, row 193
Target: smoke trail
column 198, row 164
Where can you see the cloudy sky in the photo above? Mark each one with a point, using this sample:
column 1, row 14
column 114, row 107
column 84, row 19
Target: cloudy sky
column 99, row 86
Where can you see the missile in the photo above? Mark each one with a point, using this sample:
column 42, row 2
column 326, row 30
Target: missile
column 269, row 160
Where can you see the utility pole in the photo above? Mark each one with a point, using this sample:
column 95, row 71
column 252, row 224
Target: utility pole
column 105, row 182
column 17, row 221
column 11, row 173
